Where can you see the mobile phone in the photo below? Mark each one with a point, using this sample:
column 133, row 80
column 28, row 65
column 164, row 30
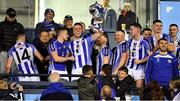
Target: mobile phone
column 16, row 85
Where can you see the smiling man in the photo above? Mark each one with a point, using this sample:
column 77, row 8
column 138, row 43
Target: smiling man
column 162, row 67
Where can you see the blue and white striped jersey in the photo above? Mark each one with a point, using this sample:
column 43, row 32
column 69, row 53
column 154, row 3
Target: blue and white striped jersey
column 105, row 51
column 120, row 49
column 63, row 51
column 137, row 50
column 166, row 36
column 82, row 49
column 23, row 55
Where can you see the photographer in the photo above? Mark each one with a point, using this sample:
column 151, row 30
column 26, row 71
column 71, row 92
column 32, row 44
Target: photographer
column 7, row 93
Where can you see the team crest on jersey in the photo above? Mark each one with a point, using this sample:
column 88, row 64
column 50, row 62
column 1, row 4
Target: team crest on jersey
column 169, row 61
column 157, row 59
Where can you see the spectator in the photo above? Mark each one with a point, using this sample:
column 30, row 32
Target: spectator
column 106, row 78
column 8, row 35
column 110, row 18
column 48, row 24
column 162, row 67
column 152, row 92
column 124, row 83
column 7, row 93
column 60, row 53
column 87, row 85
column 81, row 48
column 138, row 53
column 106, row 93
column 120, row 54
column 23, row 54
column 42, row 46
column 105, row 55
column 68, row 24
column 56, row 89
column 175, row 86
column 126, row 18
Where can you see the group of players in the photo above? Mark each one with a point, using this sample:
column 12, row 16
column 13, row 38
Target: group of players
column 133, row 53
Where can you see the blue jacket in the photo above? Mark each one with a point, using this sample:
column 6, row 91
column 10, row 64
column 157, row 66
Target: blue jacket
column 161, row 68
column 55, row 87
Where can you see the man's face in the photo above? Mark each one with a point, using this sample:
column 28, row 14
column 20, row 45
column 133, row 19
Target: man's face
column 102, row 40
column 69, row 23
column 44, row 37
column 157, row 27
column 173, row 30
column 147, row 34
column 122, row 74
column 163, row 45
column 11, row 19
column 49, row 16
column 119, row 36
column 64, row 35
column 105, row 2
column 134, row 31
column 77, row 30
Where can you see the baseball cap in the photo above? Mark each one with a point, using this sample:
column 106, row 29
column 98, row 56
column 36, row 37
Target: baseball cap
column 68, row 17
column 11, row 12
column 48, row 10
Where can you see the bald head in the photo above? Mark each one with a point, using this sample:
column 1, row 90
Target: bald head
column 119, row 36
column 54, row 77
column 106, row 91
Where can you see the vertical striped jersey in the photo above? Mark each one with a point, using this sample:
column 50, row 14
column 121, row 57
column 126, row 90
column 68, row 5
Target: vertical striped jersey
column 120, row 49
column 105, row 51
column 63, row 51
column 81, row 49
column 23, row 55
column 137, row 50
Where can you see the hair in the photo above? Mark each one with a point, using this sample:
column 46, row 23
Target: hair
column 137, row 25
column 146, row 29
column 107, row 69
column 78, row 23
column 125, row 69
column 3, row 84
column 175, row 83
column 106, row 91
column 86, row 69
column 19, row 33
column 59, row 30
column 152, row 92
column 173, row 25
column 157, row 21
column 54, row 77
column 162, row 39
column 106, row 36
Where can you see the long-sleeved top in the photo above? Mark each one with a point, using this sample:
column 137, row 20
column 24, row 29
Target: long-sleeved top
column 161, row 68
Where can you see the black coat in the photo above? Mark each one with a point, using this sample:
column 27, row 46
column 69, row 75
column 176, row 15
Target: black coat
column 8, row 34
column 124, row 86
column 9, row 95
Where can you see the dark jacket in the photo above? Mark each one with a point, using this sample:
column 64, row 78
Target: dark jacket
column 42, row 67
column 56, row 91
column 8, row 34
column 9, row 95
column 87, row 89
column 124, row 86
column 128, row 19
